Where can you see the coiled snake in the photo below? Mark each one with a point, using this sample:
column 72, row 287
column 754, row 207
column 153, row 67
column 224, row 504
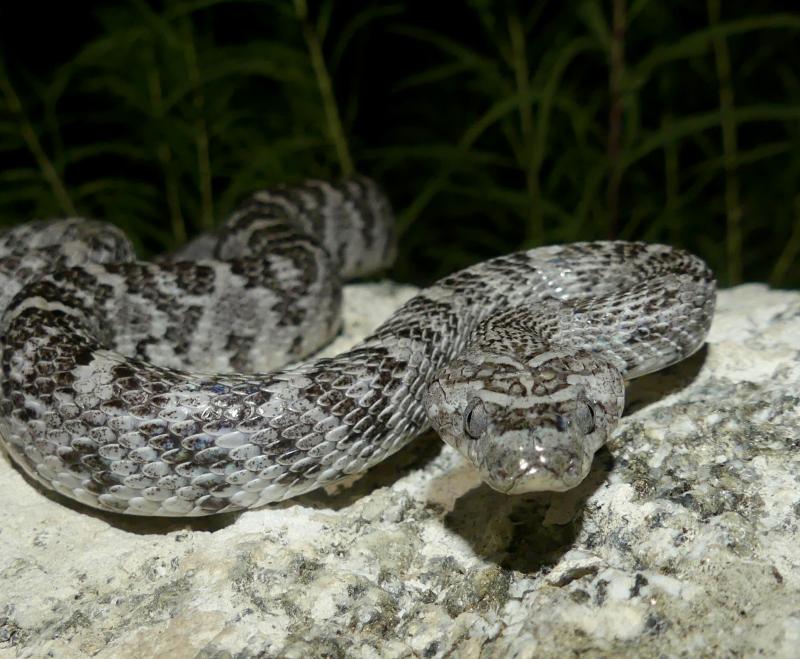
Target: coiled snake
column 160, row 388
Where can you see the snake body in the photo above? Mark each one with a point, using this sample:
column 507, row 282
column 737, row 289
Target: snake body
column 160, row 388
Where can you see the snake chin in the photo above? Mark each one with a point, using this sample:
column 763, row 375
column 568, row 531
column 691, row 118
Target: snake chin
column 520, row 471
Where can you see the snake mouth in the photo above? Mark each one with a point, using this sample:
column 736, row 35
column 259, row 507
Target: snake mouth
column 561, row 471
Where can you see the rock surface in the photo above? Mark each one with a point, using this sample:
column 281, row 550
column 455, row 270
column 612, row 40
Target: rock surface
column 684, row 540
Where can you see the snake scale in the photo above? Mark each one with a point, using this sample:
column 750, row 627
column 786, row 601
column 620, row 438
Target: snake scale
column 161, row 388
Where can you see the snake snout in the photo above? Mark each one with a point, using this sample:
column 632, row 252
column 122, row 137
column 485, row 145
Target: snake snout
column 515, row 471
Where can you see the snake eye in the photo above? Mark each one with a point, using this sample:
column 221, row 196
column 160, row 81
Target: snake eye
column 475, row 419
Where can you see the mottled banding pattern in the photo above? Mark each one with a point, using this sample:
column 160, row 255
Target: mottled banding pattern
column 160, row 388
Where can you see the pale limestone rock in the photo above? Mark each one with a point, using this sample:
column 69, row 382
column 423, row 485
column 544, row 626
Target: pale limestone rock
column 683, row 540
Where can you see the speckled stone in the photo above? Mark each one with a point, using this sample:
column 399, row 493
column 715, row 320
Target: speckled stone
column 683, row 541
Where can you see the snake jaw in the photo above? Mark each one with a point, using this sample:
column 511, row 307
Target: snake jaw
column 520, row 465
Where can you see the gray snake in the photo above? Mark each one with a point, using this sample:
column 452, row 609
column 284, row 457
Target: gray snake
column 160, row 388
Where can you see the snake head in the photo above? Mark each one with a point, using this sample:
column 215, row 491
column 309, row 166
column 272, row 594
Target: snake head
column 530, row 424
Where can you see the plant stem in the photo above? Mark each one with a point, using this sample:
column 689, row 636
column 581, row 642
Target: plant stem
column 200, row 133
column 534, row 233
column 789, row 254
column 733, row 208
column 335, row 128
column 164, row 154
column 671, row 183
column 615, row 114
column 46, row 166
column 521, row 75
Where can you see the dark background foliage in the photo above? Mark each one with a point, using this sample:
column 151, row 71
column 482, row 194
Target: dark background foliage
column 492, row 125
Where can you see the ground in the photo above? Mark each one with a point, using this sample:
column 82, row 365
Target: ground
column 683, row 541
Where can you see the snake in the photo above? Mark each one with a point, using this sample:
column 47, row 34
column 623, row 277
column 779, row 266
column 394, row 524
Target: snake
column 187, row 385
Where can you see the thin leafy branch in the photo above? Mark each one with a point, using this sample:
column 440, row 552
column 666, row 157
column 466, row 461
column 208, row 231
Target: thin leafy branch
column 518, row 124
column 733, row 208
column 334, row 122
column 30, row 136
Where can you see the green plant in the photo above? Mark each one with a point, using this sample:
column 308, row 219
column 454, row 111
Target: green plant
column 513, row 126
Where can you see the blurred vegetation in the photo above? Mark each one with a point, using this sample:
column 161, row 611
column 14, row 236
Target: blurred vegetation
column 492, row 125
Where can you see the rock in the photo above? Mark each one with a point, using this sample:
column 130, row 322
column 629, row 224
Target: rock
column 683, row 540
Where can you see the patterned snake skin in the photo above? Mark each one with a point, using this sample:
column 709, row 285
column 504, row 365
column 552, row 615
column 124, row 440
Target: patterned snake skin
column 160, row 388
